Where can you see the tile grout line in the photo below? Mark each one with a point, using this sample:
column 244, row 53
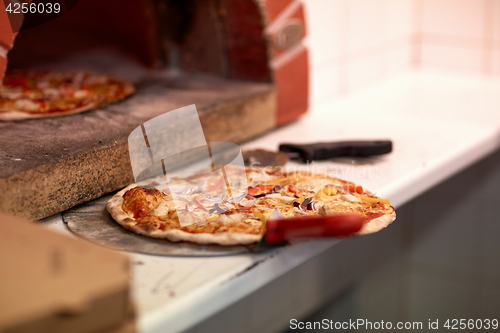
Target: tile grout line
column 487, row 42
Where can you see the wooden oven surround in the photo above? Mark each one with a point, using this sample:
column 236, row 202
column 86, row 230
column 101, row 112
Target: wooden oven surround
column 235, row 59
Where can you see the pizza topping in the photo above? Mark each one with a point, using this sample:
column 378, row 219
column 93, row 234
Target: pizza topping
column 293, row 189
column 189, row 218
column 326, row 192
column 373, row 200
column 212, row 198
column 230, row 217
column 140, row 201
column 298, row 201
column 248, row 203
column 282, row 198
column 329, row 190
column 306, row 203
column 263, row 190
column 350, row 198
column 260, row 216
column 210, row 187
column 181, row 189
column 243, row 210
column 213, row 218
column 300, row 213
column 197, row 201
column 27, row 105
column 155, row 213
column 321, row 195
column 239, row 198
column 161, row 210
column 311, row 205
column 276, row 215
column 44, row 93
column 325, row 210
column 353, row 188
column 298, row 206
column 218, row 209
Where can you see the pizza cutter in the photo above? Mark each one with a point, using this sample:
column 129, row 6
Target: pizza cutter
column 319, row 151
column 280, row 231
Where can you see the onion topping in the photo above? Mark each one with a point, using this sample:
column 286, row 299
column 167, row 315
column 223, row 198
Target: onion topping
column 311, row 205
column 298, row 205
column 213, row 198
column 300, row 213
column 254, row 190
column 276, row 215
column 306, row 203
column 248, row 203
column 219, row 209
column 181, row 189
column 239, row 198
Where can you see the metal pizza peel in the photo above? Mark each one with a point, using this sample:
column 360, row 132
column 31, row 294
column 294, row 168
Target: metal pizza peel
column 92, row 221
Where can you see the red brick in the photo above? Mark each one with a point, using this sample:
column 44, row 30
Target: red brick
column 292, row 80
column 297, row 14
column 247, row 49
column 275, row 7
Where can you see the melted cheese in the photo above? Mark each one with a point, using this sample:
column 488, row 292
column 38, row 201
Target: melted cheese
column 161, row 210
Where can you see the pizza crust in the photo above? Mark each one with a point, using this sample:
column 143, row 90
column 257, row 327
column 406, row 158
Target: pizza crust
column 115, row 208
column 377, row 224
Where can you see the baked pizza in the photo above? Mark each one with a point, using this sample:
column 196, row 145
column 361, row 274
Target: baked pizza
column 39, row 94
column 156, row 211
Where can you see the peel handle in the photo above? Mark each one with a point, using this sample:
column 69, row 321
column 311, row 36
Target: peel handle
column 327, row 150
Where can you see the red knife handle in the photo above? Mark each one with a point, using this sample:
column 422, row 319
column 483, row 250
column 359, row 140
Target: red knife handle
column 281, row 230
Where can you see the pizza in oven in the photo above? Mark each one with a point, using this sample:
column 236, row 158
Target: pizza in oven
column 29, row 94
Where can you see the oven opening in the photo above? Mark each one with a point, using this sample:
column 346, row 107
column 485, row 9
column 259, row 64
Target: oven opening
column 190, row 46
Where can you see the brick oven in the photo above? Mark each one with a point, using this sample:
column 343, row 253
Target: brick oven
column 242, row 62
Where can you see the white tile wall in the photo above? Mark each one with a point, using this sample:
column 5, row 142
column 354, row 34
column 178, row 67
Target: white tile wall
column 355, row 42
column 397, row 20
column 361, row 41
column 460, row 58
column 453, row 17
column 364, row 24
column 324, row 30
column 365, row 71
column 398, row 58
column 495, row 60
column 324, row 84
column 496, row 20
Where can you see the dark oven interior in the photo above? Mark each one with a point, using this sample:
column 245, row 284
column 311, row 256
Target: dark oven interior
column 222, row 38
